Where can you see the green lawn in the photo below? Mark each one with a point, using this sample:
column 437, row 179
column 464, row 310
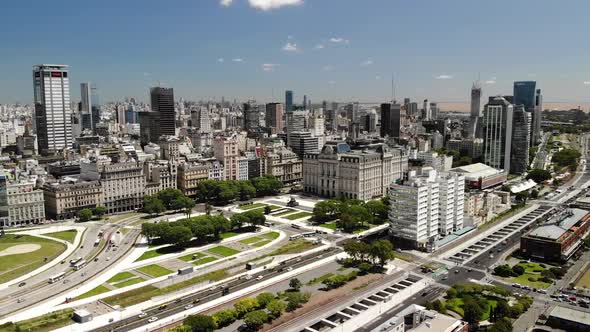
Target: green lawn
column 252, row 206
column 298, row 215
column 13, row 266
column 261, row 243
column 282, row 213
column 456, row 304
column 48, row 322
column 68, row 235
column 145, row 293
column 159, row 252
column 294, row 247
column 223, row 251
column 319, row 279
column 532, row 271
column 95, row 291
column 154, row 270
column 129, row 282
column 271, row 235
column 205, row 260
column 120, row 277
column 251, row 240
column 189, row 258
column 329, row 225
column 227, row 235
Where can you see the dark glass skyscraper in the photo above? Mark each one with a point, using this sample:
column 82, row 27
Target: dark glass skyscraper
column 289, row 101
column 390, row 119
column 163, row 103
column 524, row 94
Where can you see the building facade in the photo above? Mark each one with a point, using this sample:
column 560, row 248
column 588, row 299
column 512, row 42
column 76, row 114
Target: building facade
column 390, row 120
column 53, row 115
column 283, row 164
column 497, row 130
column 274, row 117
column 364, row 173
column 25, row 205
column 189, row 177
column 64, row 200
column 521, row 137
column 162, row 102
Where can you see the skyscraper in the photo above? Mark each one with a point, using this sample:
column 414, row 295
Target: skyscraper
column 53, row 116
column 426, row 115
column 525, row 94
column 521, row 136
column 251, row 116
column 536, row 131
column 289, row 101
column 163, row 103
column 475, row 113
column 274, row 117
column 295, row 123
column 304, row 102
column 90, row 106
column 497, row 130
column 390, row 119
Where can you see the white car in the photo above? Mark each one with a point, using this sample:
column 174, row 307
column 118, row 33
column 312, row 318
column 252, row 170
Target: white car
column 153, row 319
column 142, row 315
column 260, row 277
column 188, row 306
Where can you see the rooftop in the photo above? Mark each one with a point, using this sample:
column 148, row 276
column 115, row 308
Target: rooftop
column 573, row 315
column 476, row 170
column 556, row 228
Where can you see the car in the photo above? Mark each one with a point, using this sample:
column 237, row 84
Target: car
column 96, row 259
column 516, row 285
column 142, row 315
column 195, row 301
column 456, row 271
column 290, row 268
column 153, row 319
column 63, row 262
column 213, row 288
column 22, row 284
column 470, row 270
column 260, row 277
column 188, row 306
column 162, row 307
column 178, row 300
column 108, row 258
column 82, row 247
column 445, row 278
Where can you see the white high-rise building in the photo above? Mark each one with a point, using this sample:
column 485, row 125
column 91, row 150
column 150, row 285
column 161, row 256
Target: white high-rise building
column 451, row 189
column 426, row 206
column 53, row 115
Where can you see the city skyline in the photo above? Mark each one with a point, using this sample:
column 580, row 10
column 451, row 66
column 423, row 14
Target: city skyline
column 434, row 50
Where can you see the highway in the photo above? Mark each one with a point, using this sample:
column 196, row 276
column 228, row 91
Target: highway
column 210, row 294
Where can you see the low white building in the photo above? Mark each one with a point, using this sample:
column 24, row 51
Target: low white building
column 25, row 204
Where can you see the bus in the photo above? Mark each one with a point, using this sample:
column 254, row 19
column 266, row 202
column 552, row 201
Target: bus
column 97, row 242
column 309, row 234
column 80, row 265
column 295, row 237
column 295, row 226
column 101, row 233
column 57, row 277
column 75, row 260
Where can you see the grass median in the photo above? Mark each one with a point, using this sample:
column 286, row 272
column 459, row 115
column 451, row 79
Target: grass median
column 298, row 215
column 48, row 322
column 68, row 235
column 223, row 251
column 154, row 270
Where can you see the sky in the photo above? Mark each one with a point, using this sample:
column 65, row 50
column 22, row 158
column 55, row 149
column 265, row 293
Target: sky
column 343, row 50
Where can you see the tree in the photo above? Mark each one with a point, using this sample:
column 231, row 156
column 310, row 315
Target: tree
column 178, row 235
column 85, row 215
column 275, row 308
column 296, row 300
column 472, row 311
column 264, row 299
column 220, row 224
column 246, row 190
column 295, row 284
column 169, row 195
column 378, row 210
column 539, row 175
column 534, row 194
column 382, row 251
column 503, row 271
column 364, row 268
column 465, row 160
column 238, row 220
column 99, row 211
column 255, row 218
column 266, row 185
column 522, row 196
column 153, row 205
column 325, row 211
column 183, row 203
column 255, row 319
column 201, row 323
column 501, row 310
column 566, row 157
column 502, row 325
column 245, row 306
column 518, row 270
column 267, row 210
column 347, row 223
column 225, row 317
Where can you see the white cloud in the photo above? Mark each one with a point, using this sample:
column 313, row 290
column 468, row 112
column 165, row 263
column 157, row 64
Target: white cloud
column 319, row 47
column 269, row 66
column 220, row 60
column 237, row 60
column 586, row 82
column 338, row 40
column 225, row 3
column 367, row 62
column 443, row 77
column 273, row 4
column 290, row 47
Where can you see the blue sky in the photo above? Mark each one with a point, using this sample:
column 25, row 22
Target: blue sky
column 435, row 48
